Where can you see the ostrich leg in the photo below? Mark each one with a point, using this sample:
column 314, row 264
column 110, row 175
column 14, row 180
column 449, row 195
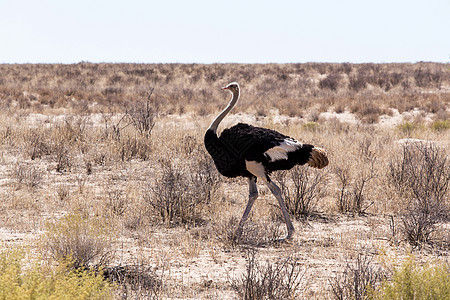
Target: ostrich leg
column 277, row 193
column 252, row 195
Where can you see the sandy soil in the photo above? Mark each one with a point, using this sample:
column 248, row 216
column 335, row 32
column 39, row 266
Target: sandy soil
column 192, row 267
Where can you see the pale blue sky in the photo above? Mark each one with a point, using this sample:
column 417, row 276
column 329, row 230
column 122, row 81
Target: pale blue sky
column 166, row 31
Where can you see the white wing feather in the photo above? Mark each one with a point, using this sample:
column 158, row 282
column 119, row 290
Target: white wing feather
column 281, row 151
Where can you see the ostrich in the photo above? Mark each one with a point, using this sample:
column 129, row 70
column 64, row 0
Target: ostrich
column 254, row 152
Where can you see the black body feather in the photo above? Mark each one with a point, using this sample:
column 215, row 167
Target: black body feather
column 245, row 142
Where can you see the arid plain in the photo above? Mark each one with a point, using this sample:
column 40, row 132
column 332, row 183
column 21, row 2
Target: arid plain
column 105, row 163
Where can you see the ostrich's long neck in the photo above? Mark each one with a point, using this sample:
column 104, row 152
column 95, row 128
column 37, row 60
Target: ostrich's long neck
column 224, row 112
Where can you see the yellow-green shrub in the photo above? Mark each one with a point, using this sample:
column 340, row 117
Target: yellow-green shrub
column 311, row 126
column 411, row 281
column 440, row 125
column 40, row 281
column 408, row 127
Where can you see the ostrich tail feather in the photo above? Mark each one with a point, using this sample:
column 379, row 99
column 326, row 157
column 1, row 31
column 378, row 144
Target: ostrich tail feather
column 319, row 158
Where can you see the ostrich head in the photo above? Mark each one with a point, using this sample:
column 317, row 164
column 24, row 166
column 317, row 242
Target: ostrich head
column 232, row 87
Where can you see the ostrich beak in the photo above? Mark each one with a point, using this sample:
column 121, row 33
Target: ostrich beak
column 225, row 88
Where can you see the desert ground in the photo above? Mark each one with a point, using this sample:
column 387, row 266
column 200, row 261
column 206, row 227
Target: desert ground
column 105, row 163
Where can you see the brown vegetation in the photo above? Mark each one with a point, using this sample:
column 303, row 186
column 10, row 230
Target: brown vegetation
column 105, row 163
column 292, row 88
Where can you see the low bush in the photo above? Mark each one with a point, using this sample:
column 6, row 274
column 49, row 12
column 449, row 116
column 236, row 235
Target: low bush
column 358, row 280
column 311, row 126
column 203, row 177
column 420, row 175
column 428, row 78
column 278, row 280
column 440, row 125
column 36, row 143
column 136, row 281
column 63, row 158
column 166, row 197
column 87, row 241
column 302, row 188
column 40, row 281
column 143, row 114
column 408, row 128
column 26, row 175
column 411, row 281
column 331, row 82
column 179, row 191
column 131, row 146
column 352, row 195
